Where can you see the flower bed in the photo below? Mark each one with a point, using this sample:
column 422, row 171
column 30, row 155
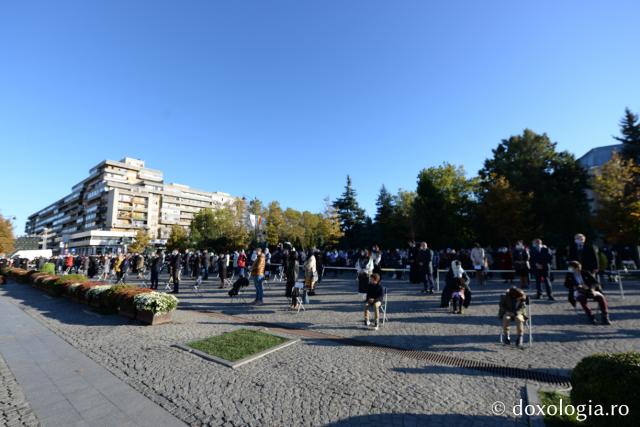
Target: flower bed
column 130, row 301
column 154, row 308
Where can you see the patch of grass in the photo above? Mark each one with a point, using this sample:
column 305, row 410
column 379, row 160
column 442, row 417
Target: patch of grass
column 238, row 344
column 553, row 398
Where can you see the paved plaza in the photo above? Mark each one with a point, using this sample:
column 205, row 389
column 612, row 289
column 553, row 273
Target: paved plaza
column 316, row 381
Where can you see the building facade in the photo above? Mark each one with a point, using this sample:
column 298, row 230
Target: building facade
column 104, row 211
column 592, row 161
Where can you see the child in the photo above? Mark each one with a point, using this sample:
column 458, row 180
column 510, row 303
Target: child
column 457, row 299
column 374, row 297
column 513, row 307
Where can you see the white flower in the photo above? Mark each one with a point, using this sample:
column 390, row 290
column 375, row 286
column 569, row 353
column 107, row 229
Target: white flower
column 96, row 291
column 155, row 302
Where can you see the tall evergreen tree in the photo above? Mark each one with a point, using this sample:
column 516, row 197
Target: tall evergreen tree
column 384, row 217
column 630, row 130
column 352, row 216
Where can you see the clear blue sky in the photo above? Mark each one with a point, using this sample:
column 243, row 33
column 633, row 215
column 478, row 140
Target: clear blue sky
column 282, row 99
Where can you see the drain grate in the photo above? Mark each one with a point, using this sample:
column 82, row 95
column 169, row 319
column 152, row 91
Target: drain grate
column 426, row 356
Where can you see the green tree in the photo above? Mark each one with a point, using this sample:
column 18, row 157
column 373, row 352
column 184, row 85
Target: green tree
column 274, row 229
column 404, row 217
column 384, row 219
column 7, row 239
column 630, row 130
column 531, row 165
column 443, row 206
column 221, row 229
column 352, row 217
column 293, row 229
column 256, row 207
column 330, row 225
column 617, row 214
column 140, row 243
column 502, row 213
column 203, row 229
column 178, row 238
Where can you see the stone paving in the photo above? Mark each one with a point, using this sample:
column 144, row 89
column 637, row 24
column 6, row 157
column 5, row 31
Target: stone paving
column 561, row 335
column 63, row 386
column 319, row 382
column 315, row 382
column 14, row 407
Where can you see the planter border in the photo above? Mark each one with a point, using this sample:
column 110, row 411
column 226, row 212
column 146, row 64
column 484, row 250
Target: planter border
column 243, row 361
column 531, row 394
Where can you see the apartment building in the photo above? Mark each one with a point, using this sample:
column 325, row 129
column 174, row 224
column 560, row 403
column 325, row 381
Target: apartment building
column 104, row 211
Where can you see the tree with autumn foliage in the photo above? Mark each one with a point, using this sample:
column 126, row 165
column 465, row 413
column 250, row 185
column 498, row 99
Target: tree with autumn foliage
column 617, row 214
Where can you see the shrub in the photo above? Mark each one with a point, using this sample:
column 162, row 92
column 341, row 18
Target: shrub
column 95, row 294
column 2, row 280
column 155, row 302
column 81, row 290
column 49, row 268
column 61, row 285
column 123, row 296
column 608, row 379
column 110, row 296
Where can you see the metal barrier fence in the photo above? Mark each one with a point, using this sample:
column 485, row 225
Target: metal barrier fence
column 617, row 274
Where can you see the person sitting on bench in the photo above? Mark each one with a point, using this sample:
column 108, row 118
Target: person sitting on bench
column 583, row 286
column 513, row 307
column 375, row 295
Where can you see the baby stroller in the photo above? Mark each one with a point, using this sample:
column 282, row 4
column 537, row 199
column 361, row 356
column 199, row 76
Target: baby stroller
column 242, row 282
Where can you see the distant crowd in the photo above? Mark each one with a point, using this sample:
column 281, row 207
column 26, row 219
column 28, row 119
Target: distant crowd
column 587, row 267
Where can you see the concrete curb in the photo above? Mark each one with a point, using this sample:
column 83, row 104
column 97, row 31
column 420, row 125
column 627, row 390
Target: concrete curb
column 244, row 361
column 531, row 394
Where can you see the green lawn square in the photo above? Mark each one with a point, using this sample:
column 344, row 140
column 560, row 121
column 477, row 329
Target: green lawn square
column 553, row 398
column 236, row 345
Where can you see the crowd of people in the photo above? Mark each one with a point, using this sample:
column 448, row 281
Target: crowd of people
column 587, row 268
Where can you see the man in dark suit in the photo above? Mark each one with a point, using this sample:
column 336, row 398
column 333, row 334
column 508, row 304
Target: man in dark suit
column 156, row 266
column 585, row 254
column 176, row 267
column 583, row 286
column 425, row 267
column 541, row 260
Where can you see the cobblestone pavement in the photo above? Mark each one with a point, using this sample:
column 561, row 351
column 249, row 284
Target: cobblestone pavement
column 314, row 382
column 561, row 335
column 14, row 408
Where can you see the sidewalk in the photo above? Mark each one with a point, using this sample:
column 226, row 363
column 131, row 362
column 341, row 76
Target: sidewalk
column 63, row 386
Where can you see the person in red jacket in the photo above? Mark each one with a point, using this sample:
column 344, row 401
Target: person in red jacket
column 242, row 263
column 68, row 263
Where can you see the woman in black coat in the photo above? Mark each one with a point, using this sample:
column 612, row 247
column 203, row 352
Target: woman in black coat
column 456, row 278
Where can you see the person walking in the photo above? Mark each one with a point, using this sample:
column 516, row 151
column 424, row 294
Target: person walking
column 242, row 263
column 310, row 274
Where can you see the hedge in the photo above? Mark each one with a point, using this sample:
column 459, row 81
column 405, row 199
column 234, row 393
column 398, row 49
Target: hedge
column 101, row 295
column 609, row 379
